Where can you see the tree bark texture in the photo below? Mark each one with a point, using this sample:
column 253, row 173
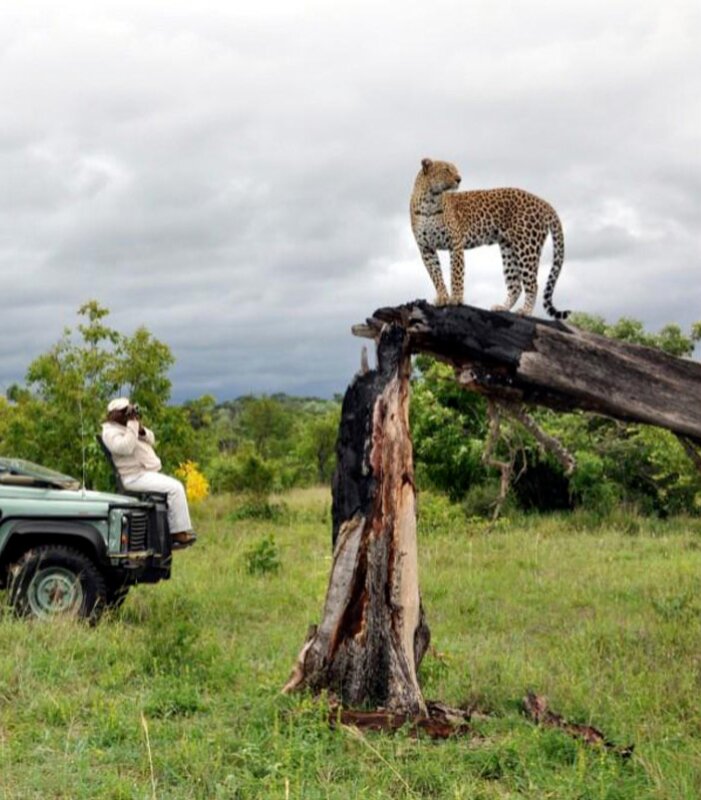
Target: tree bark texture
column 547, row 363
column 372, row 635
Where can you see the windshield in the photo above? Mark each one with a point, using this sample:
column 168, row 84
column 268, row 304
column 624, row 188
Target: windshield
column 17, row 470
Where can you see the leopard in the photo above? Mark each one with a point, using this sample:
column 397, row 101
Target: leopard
column 519, row 222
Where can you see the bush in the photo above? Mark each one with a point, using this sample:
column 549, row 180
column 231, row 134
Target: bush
column 256, row 507
column 436, row 513
column 263, row 557
column 481, row 499
column 245, row 472
column 196, row 485
column 222, row 474
column 590, row 486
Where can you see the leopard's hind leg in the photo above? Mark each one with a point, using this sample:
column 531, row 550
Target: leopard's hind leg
column 528, row 262
column 512, row 276
column 529, row 276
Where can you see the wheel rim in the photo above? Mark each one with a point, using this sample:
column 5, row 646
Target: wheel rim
column 53, row 591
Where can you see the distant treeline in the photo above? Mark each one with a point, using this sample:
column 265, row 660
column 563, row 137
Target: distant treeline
column 260, row 444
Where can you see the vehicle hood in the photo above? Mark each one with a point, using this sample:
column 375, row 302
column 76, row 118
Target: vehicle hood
column 66, row 495
column 93, row 497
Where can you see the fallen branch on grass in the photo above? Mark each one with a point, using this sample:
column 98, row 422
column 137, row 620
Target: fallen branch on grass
column 536, row 707
column 440, row 721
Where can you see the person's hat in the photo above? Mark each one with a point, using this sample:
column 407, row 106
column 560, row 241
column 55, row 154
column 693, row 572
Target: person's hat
column 118, row 404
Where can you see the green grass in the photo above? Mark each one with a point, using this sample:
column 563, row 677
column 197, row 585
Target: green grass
column 602, row 617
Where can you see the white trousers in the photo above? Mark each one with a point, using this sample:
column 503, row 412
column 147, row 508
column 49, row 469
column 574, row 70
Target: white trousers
column 178, row 512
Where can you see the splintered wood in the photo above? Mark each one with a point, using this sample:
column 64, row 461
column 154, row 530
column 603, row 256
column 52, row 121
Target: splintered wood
column 372, row 635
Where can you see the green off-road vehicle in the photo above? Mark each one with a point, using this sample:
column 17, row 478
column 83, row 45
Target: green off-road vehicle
column 68, row 551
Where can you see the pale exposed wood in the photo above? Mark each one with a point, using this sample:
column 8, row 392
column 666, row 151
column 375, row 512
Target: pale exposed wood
column 506, row 468
column 364, row 364
column 372, row 635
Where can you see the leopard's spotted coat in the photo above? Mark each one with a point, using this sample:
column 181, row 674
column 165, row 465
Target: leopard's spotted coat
column 519, row 222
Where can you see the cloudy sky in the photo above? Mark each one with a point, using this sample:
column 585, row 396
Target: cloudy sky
column 235, row 176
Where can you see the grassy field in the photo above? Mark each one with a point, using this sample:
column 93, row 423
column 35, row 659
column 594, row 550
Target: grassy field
column 177, row 694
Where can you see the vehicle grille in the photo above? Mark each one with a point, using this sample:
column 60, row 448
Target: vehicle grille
column 138, row 532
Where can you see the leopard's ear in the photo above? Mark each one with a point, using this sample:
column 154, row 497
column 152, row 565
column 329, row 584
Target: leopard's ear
column 426, row 164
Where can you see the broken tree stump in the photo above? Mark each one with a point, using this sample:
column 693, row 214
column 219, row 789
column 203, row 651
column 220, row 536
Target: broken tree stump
column 368, row 646
column 372, row 635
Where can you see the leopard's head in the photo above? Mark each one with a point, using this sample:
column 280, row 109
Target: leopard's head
column 439, row 176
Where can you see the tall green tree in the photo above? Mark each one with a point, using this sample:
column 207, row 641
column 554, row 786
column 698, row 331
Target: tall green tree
column 317, row 443
column 268, row 424
column 54, row 418
column 669, row 338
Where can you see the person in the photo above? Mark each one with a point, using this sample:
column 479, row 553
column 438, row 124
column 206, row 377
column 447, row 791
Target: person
column 131, row 445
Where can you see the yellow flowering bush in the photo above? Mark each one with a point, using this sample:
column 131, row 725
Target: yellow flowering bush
column 196, row 485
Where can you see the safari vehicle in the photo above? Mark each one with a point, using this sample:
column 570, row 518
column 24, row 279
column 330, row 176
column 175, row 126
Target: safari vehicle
column 68, row 551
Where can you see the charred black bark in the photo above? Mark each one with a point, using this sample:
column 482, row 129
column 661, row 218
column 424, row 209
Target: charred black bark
column 541, row 362
column 354, row 483
column 373, row 634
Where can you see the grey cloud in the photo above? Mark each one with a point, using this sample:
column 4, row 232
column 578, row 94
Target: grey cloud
column 237, row 178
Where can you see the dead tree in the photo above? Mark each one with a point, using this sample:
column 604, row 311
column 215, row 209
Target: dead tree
column 367, row 648
column 372, row 636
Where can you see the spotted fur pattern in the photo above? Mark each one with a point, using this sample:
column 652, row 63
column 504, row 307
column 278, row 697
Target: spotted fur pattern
column 519, row 222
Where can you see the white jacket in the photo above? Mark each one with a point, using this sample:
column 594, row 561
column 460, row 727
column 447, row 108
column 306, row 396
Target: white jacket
column 132, row 453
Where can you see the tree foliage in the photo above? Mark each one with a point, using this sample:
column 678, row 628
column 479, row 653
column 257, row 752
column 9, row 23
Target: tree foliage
column 294, row 437
column 670, row 338
column 54, row 418
column 449, row 427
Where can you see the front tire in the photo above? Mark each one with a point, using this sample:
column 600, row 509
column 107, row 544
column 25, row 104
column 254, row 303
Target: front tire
column 54, row 581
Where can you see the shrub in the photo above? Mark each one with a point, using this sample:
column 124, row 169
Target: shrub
column 481, row 499
column 263, row 557
column 247, row 471
column 590, row 486
column 196, row 485
column 222, row 474
column 437, row 513
column 256, row 507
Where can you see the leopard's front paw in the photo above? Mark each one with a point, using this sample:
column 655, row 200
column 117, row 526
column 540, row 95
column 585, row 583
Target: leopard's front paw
column 455, row 300
column 442, row 299
column 499, row 308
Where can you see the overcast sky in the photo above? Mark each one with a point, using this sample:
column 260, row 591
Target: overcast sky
column 235, row 176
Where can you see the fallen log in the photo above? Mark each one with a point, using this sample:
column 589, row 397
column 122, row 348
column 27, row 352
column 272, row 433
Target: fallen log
column 541, row 362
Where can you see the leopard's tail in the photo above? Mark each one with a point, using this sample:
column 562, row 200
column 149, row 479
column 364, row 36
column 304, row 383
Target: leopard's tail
column 558, row 257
